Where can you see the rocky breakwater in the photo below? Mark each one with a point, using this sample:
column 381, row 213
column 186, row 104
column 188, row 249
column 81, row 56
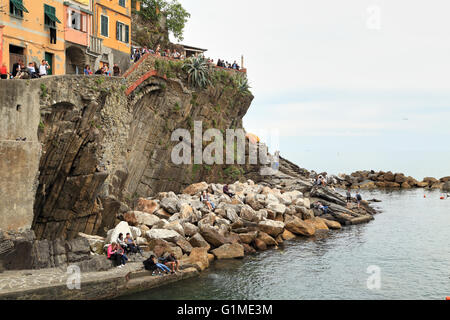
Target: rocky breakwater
column 372, row 180
column 258, row 217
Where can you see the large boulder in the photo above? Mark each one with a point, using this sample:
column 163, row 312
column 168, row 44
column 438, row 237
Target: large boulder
column 332, row 224
column 248, row 237
column 135, row 218
column 319, row 223
column 197, row 241
column 162, row 234
column 276, row 207
column 446, row 186
column 300, row 227
column 252, row 201
column 170, row 204
column 287, row 235
column 113, row 234
column 247, row 213
column 187, row 213
column 175, row 226
column 273, row 228
column 162, row 214
column 160, row 247
column 199, row 258
column 96, row 243
column 268, row 240
column 184, row 245
column 189, row 229
column 196, row 188
column 229, row 251
column 212, row 235
column 148, row 206
column 259, row 244
column 135, row 232
column 232, row 215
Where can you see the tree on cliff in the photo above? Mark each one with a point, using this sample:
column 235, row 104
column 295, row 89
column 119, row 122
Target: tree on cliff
column 175, row 15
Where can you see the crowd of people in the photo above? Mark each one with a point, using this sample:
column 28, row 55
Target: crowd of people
column 104, row 70
column 137, row 53
column 20, row 71
column 119, row 250
column 226, row 64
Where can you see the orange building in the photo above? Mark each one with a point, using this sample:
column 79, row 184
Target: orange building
column 33, row 31
column 112, row 24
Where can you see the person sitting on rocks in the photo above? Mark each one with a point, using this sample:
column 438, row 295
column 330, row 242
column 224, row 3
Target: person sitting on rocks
column 131, row 245
column 171, row 261
column 121, row 242
column 227, row 191
column 205, row 199
column 123, row 256
column 114, row 255
column 320, row 206
column 151, row 264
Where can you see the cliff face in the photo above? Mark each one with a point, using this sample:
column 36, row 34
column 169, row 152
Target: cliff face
column 103, row 146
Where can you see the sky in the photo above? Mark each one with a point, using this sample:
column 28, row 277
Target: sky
column 340, row 85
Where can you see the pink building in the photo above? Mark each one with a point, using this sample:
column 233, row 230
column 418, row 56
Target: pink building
column 77, row 30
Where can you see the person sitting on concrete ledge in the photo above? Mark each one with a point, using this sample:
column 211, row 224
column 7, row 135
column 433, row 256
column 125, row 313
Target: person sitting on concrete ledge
column 151, row 264
column 227, row 191
column 171, row 261
column 122, row 255
column 131, row 245
column 205, row 199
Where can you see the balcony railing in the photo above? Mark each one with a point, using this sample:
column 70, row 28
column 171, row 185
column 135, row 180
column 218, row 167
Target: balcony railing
column 95, row 44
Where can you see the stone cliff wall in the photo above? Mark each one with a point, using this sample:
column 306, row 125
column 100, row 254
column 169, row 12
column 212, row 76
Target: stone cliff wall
column 91, row 150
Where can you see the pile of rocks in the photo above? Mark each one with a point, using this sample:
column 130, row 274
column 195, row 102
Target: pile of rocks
column 256, row 218
column 371, row 180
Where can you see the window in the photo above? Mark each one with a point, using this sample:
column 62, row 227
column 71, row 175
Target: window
column 17, row 8
column 50, row 18
column 122, row 32
column 122, row 3
column 75, row 20
column 104, row 27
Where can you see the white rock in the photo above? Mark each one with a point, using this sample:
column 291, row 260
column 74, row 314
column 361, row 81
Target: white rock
column 164, row 234
column 277, row 207
column 113, row 234
column 135, row 232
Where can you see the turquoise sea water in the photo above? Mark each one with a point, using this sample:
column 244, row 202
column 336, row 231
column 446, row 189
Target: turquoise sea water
column 408, row 243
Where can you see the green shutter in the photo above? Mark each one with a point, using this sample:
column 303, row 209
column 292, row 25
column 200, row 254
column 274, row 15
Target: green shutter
column 127, row 34
column 104, row 26
column 50, row 12
column 117, row 30
column 19, row 5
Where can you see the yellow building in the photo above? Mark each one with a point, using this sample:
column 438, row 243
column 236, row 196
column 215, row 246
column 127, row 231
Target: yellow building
column 112, row 24
column 32, row 31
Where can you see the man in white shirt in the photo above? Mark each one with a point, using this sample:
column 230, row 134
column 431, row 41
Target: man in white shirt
column 43, row 68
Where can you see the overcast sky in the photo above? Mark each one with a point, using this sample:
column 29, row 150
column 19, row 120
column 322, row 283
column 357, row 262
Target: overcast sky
column 348, row 84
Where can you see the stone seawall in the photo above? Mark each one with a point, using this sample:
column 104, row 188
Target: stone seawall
column 77, row 151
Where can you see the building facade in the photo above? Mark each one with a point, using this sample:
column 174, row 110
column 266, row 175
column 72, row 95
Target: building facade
column 33, row 31
column 112, row 24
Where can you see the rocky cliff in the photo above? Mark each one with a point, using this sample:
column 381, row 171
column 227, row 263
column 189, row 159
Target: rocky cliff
column 100, row 143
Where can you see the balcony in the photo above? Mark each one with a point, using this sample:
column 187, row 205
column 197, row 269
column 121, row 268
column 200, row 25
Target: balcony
column 95, row 45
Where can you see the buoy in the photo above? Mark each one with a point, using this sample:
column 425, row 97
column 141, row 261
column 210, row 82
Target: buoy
column 447, row 298
column 442, row 198
column 424, row 196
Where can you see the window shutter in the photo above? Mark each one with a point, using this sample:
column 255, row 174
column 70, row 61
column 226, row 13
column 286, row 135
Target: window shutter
column 117, row 30
column 127, row 34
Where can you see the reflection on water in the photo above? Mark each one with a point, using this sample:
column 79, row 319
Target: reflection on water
column 408, row 241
